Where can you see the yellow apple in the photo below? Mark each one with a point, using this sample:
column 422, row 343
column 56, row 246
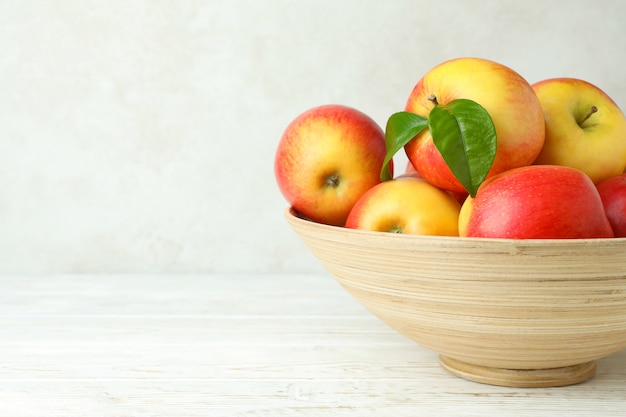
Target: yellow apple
column 508, row 98
column 327, row 157
column 585, row 129
column 407, row 204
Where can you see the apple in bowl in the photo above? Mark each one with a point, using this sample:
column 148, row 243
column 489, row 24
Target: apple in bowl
column 327, row 157
column 613, row 193
column 536, row 202
column 407, row 204
column 507, row 97
column 585, row 129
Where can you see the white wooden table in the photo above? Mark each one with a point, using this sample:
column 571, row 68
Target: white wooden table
column 217, row 345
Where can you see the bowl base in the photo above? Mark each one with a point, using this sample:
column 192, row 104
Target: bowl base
column 520, row 378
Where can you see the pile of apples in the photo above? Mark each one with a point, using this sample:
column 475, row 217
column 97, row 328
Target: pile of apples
column 558, row 170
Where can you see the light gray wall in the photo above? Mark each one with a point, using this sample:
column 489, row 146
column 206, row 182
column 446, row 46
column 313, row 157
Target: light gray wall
column 139, row 136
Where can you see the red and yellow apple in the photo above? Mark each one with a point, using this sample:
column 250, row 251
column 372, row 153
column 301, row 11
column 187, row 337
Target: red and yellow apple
column 407, row 204
column 508, row 98
column 585, row 129
column 536, row 202
column 328, row 157
column 613, row 193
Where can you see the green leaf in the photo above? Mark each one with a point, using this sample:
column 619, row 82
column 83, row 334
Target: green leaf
column 464, row 134
column 401, row 128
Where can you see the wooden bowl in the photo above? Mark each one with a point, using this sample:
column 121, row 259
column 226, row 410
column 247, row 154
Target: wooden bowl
column 520, row 313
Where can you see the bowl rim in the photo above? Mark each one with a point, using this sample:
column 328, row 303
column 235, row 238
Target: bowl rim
column 293, row 216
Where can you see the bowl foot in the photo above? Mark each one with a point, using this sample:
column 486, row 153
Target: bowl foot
column 520, row 378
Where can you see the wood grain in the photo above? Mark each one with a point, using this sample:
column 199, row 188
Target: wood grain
column 495, row 306
column 220, row 345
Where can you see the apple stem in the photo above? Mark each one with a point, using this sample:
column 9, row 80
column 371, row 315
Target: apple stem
column 432, row 98
column 591, row 111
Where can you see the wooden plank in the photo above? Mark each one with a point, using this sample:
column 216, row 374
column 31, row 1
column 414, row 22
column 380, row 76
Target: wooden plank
column 289, row 345
column 189, row 294
column 303, row 397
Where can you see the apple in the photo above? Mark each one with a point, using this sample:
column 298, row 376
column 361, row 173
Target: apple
column 508, row 98
column 585, row 129
column 327, row 157
column 407, row 204
column 613, row 193
column 536, row 202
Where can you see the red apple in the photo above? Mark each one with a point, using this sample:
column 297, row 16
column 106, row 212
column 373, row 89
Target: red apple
column 508, row 98
column 326, row 159
column 407, row 204
column 613, row 193
column 536, row 202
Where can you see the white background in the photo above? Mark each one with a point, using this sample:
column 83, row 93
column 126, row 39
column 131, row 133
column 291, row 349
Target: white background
column 139, row 136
